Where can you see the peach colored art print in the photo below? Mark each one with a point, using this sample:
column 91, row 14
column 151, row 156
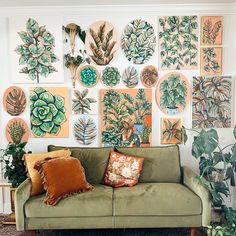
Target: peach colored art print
column 14, row 100
column 211, row 30
column 211, row 61
column 126, row 117
column 102, row 42
column 171, row 130
column 173, row 93
column 17, row 131
column 49, row 112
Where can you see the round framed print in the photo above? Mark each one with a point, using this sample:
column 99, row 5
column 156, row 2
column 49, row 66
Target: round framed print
column 88, row 76
column 110, row 77
column 173, row 93
column 149, row 76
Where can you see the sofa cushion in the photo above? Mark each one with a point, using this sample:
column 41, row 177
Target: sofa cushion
column 95, row 203
column 161, row 164
column 94, row 161
column 156, row 199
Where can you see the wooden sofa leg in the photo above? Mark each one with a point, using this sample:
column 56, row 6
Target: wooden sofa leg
column 32, row 233
column 193, row 232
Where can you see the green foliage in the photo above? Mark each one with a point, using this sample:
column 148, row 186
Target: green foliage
column 111, row 137
column 211, row 32
column 209, row 58
column 37, row 51
column 14, row 168
column 88, row 76
column 217, row 169
column 47, row 112
column 145, row 133
column 179, row 41
column 16, row 131
column 130, row 77
column 212, row 102
column 173, row 91
column 81, row 104
column 172, row 130
column 75, row 61
column 78, row 31
column 111, row 76
column 85, row 130
column 138, row 41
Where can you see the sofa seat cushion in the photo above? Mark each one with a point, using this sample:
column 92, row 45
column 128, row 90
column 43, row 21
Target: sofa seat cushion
column 156, row 199
column 95, row 203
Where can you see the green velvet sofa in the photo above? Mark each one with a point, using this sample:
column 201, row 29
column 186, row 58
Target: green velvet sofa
column 167, row 195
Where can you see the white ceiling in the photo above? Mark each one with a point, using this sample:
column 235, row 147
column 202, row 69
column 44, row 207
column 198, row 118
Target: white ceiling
column 22, row 3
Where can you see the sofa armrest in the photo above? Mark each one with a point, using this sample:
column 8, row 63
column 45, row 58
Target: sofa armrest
column 190, row 180
column 22, row 194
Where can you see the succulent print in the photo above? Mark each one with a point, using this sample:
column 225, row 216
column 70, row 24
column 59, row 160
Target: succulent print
column 149, row 76
column 138, row 41
column 211, row 59
column 73, row 30
column 171, row 131
column 16, row 131
column 81, row 104
column 103, row 43
column 212, row 98
column 111, row 76
column 37, row 51
column 178, row 39
column 88, row 76
column 130, row 77
column 85, row 130
column 47, row 112
column 14, row 101
column 212, row 28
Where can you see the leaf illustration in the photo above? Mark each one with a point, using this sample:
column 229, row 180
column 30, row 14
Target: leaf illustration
column 81, row 104
column 85, row 130
column 102, row 47
column 215, row 31
column 130, row 77
column 15, row 102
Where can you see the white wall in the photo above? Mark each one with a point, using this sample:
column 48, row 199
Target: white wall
column 119, row 16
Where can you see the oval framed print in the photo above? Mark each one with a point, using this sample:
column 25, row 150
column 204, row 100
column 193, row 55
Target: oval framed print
column 173, row 93
column 14, row 100
column 17, row 131
column 88, row 76
column 149, row 76
column 130, row 77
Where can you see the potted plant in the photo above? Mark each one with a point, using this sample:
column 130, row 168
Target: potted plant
column 214, row 160
column 145, row 136
column 172, row 132
column 174, row 92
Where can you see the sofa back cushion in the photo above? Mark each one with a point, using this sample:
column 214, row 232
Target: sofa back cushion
column 94, row 161
column 161, row 164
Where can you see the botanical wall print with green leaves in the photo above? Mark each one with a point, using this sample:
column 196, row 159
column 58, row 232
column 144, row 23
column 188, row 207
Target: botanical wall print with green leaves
column 102, row 42
column 49, row 115
column 126, row 117
column 88, row 76
column 14, row 100
column 173, row 93
column 138, row 41
column 111, row 76
column 212, row 30
column 36, row 49
column 212, row 101
column 171, row 130
column 211, row 61
column 85, row 130
column 82, row 103
column 130, row 77
column 178, row 42
column 17, row 131
column 149, row 76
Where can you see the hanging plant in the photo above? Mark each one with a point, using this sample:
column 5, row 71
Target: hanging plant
column 111, row 76
column 85, row 130
column 37, row 51
column 88, row 76
column 14, row 100
column 130, row 77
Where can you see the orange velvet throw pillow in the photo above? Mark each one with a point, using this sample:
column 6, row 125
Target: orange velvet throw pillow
column 62, row 177
column 123, row 170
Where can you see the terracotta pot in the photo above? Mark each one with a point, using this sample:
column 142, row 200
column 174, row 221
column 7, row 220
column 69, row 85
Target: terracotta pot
column 145, row 145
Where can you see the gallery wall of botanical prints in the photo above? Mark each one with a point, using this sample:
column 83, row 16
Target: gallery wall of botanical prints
column 95, row 80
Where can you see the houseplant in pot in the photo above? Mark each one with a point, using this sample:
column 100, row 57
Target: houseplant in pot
column 217, row 167
column 145, row 136
column 173, row 94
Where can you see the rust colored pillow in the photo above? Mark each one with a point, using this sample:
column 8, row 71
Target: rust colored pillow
column 31, row 159
column 123, row 170
column 62, row 177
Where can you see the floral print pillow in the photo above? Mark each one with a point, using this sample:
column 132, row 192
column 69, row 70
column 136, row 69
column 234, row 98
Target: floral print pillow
column 123, row 170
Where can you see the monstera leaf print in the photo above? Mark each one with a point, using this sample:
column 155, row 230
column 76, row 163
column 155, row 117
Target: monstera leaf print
column 138, row 41
column 85, row 130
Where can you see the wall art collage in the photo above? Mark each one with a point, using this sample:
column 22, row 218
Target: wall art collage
column 42, row 50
